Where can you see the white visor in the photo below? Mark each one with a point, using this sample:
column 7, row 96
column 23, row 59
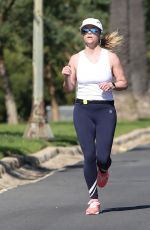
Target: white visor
column 92, row 21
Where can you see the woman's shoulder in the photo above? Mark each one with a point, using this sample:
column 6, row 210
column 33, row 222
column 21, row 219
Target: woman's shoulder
column 113, row 57
column 76, row 55
column 74, row 58
column 112, row 54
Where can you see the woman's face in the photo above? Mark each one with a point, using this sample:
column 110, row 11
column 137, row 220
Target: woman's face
column 91, row 35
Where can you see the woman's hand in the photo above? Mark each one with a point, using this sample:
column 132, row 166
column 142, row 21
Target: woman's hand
column 66, row 71
column 69, row 72
column 106, row 86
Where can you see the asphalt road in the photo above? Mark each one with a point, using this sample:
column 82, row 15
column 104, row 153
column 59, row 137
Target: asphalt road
column 58, row 202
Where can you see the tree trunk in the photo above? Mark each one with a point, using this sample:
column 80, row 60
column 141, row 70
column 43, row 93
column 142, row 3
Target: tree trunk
column 119, row 21
column 55, row 116
column 54, row 104
column 37, row 126
column 124, row 101
column 138, row 64
column 123, row 16
column 137, row 48
column 12, row 117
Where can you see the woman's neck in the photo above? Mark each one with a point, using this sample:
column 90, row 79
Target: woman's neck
column 92, row 51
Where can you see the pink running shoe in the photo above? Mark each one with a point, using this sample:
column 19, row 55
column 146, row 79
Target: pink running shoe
column 94, row 207
column 102, row 178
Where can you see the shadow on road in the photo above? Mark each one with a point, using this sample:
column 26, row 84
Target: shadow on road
column 121, row 209
column 140, row 148
column 26, row 171
column 75, row 166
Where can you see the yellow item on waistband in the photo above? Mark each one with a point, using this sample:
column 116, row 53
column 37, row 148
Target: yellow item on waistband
column 85, row 102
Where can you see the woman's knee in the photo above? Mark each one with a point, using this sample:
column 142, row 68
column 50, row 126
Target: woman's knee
column 89, row 157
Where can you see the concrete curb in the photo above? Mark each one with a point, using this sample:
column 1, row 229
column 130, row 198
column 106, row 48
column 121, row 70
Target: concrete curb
column 131, row 140
column 36, row 159
column 8, row 164
column 121, row 144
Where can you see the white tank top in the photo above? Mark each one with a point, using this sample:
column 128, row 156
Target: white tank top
column 90, row 75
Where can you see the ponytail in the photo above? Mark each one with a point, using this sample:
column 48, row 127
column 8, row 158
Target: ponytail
column 110, row 41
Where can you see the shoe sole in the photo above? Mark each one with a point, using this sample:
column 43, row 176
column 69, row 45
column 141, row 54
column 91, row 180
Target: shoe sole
column 93, row 213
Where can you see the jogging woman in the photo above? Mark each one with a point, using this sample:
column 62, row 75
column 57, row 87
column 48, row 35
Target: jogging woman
column 95, row 72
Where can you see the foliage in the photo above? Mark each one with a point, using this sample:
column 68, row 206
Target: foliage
column 16, row 37
column 147, row 27
column 62, row 38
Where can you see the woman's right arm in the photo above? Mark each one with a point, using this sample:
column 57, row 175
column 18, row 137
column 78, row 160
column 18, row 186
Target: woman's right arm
column 69, row 72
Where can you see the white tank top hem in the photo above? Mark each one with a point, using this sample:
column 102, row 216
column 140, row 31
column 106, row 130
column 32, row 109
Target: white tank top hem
column 90, row 75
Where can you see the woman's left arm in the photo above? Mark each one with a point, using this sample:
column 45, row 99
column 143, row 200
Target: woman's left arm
column 120, row 82
column 118, row 72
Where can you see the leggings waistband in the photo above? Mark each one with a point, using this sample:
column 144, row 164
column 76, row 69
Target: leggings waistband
column 85, row 102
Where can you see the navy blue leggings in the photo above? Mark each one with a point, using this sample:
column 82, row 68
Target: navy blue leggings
column 95, row 126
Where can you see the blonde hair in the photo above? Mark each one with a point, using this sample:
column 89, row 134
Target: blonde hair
column 112, row 40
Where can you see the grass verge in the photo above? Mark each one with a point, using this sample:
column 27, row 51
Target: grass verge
column 12, row 142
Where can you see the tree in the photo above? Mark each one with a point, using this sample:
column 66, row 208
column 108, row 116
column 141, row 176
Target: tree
column 147, row 27
column 134, row 103
column 5, row 7
column 62, row 19
column 16, row 34
column 37, row 127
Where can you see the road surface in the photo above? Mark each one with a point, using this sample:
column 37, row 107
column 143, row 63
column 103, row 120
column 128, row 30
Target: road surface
column 58, row 202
